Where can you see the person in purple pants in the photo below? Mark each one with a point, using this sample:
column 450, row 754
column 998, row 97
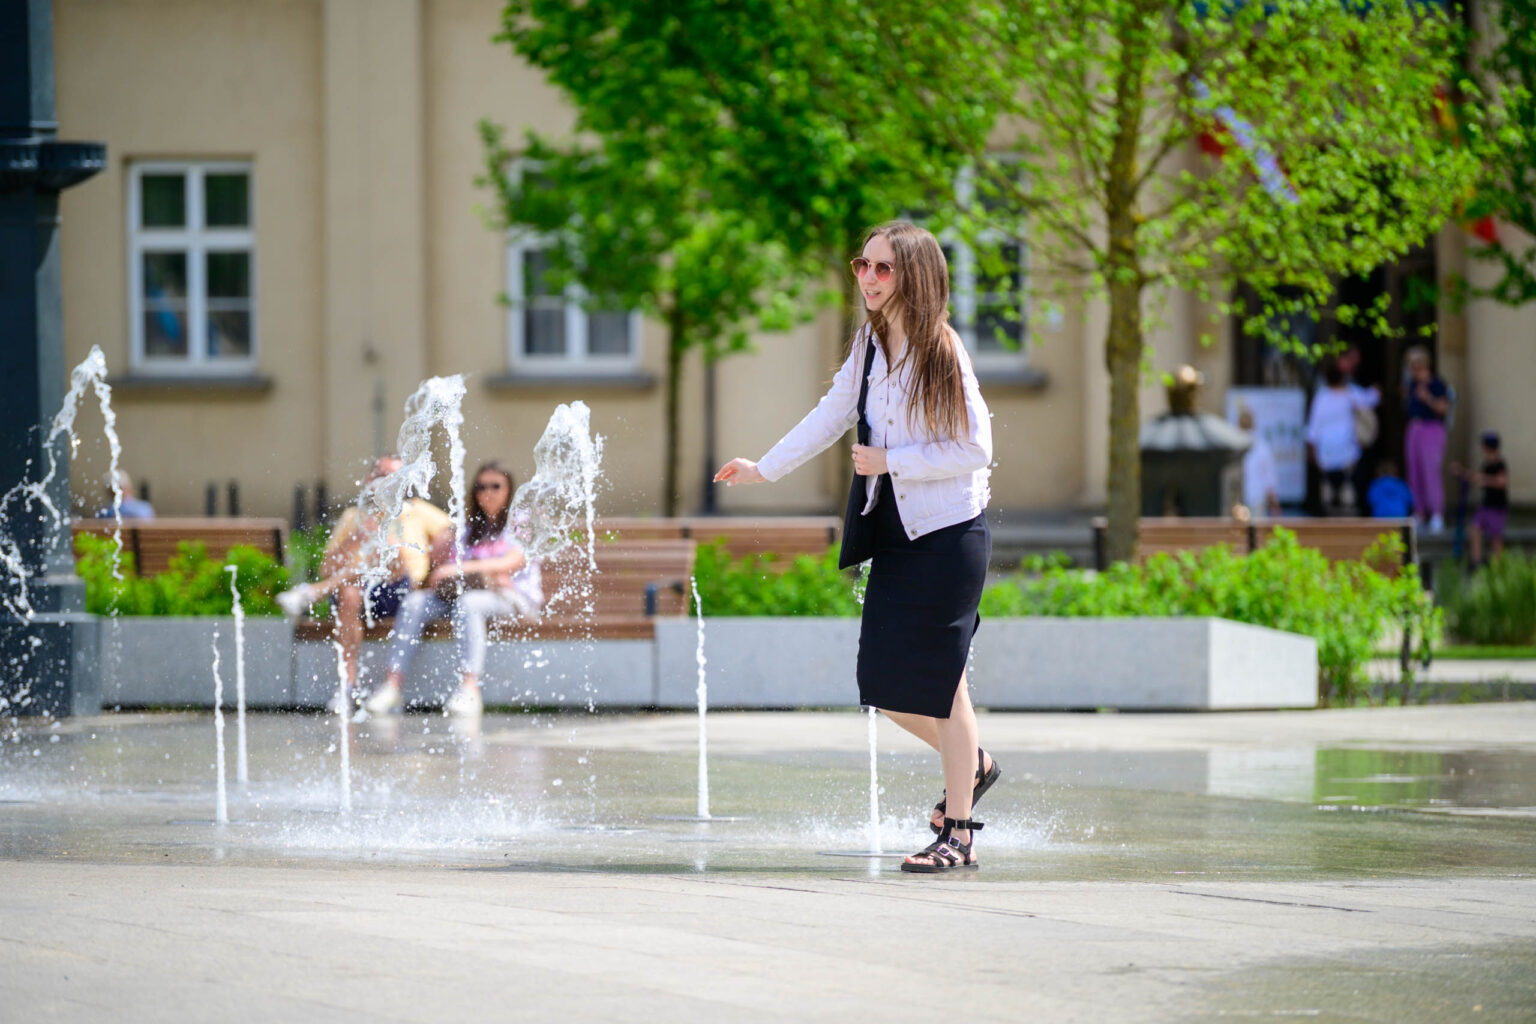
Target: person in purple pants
column 1428, row 402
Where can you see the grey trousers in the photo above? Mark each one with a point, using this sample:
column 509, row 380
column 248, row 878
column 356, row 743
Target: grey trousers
column 469, row 614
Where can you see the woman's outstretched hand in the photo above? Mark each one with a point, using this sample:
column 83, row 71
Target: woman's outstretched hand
column 740, row 471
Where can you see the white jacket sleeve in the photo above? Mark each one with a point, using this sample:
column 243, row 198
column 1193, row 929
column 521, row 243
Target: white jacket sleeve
column 935, row 460
column 834, row 414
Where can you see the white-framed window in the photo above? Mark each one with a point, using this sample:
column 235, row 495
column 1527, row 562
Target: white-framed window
column 988, row 278
column 550, row 331
column 191, row 266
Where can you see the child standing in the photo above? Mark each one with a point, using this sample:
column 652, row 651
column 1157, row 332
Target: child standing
column 1493, row 510
column 1389, row 496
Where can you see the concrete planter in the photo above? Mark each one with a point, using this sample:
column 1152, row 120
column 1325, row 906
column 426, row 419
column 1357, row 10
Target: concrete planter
column 607, row 673
column 759, row 662
column 1017, row 664
column 1141, row 664
column 169, row 660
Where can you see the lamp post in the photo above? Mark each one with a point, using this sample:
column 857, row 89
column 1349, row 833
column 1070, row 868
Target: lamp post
column 49, row 661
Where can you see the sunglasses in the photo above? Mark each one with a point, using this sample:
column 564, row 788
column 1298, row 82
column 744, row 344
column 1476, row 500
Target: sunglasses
column 861, row 267
column 494, row 485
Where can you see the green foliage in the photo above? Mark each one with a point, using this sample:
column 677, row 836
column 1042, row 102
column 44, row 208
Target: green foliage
column 1348, row 607
column 1495, row 605
column 193, row 583
column 306, row 551
column 749, row 586
column 1507, row 188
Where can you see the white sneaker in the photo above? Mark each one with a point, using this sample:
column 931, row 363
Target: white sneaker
column 467, row 703
column 337, row 702
column 385, row 700
column 1436, row 523
column 296, row 601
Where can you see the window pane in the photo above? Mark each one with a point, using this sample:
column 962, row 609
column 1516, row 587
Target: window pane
column 998, row 328
column 163, row 201
column 226, row 200
column 544, row 332
column 165, row 332
column 229, row 275
column 165, row 276
column 535, row 274
column 608, row 334
column 229, row 333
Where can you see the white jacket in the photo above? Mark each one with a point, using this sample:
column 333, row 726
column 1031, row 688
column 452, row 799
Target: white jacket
column 938, row 483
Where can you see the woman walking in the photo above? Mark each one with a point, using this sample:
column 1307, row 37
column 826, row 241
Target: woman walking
column 921, row 493
column 487, row 577
column 1429, row 401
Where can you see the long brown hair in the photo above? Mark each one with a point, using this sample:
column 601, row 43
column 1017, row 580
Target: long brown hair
column 480, row 527
column 920, row 293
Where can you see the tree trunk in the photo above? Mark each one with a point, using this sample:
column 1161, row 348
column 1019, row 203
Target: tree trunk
column 1122, row 351
column 1123, row 345
column 676, row 346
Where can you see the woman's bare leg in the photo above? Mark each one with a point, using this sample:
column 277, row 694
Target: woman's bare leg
column 957, row 752
column 921, row 726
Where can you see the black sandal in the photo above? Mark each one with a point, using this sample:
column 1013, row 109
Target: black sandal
column 947, row 853
column 984, row 781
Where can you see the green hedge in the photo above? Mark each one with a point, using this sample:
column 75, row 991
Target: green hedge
column 193, row 583
column 1494, row 605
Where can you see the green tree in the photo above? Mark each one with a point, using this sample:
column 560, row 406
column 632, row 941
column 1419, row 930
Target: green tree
column 1334, row 162
column 1507, row 190
column 638, row 234
column 740, row 146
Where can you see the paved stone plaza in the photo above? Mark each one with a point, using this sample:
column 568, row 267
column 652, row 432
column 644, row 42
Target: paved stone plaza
column 1371, row 865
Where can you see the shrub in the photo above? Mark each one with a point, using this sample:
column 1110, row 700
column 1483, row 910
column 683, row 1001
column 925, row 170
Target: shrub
column 193, row 583
column 1346, row 606
column 756, row 586
column 1495, row 605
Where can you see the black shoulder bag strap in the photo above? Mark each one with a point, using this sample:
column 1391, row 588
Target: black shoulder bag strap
column 858, row 538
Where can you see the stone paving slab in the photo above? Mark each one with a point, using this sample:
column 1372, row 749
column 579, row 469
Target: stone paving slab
column 242, row 943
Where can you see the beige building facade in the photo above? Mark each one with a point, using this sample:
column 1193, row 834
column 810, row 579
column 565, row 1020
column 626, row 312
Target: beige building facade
column 289, row 239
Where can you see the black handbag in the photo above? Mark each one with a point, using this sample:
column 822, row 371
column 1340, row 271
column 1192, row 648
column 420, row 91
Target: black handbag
column 858, row 534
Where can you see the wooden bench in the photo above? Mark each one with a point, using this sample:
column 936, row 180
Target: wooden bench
column 785, row 536
column 636, row 581
column 154, row 542
column 1341, row 539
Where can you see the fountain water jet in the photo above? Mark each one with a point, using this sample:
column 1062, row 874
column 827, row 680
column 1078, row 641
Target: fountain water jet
column 221, row 797
column 242, row 764
column 344, row 740
column 703, row 694
column 91, row 373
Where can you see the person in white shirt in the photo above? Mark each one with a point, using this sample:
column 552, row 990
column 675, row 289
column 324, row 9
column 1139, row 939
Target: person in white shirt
column 1332, row 443
column 925, row 491
column 1261, row 477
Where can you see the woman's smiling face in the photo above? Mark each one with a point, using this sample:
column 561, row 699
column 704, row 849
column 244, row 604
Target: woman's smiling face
column 876, row 292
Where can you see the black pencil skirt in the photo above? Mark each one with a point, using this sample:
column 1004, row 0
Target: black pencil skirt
column 919, row 611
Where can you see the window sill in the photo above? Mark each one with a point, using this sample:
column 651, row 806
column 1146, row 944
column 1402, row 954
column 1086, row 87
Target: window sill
column 1022, row 379
column 634, row 380
column 150, row 385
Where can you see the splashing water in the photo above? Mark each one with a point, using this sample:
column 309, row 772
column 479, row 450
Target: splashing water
column 703, row 693
column 437, row 402
column 242, row 764
column 221, row 796
column 560, row 499
column 874, row 788
column 91, row 372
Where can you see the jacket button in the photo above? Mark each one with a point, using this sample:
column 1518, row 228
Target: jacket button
column 913, row 531
column 890, row 421
column 903, row 497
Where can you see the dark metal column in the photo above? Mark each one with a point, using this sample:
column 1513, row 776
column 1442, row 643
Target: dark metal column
column 49, row 661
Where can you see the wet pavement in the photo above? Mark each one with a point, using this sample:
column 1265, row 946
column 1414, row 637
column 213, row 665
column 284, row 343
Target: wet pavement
column 1335, row 865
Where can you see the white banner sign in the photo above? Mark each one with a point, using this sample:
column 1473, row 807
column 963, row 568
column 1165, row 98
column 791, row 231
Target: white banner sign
column 1280, row 419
